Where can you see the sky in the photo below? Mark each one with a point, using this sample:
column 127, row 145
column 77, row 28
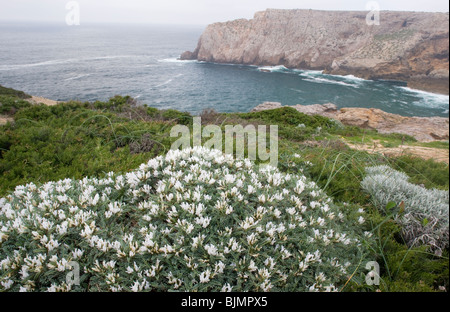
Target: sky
column 194, row 12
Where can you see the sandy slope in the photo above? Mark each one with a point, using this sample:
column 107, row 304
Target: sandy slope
column 437, row 154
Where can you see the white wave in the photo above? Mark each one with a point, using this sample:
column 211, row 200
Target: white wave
column 323, row 80
column 62, row 61
column 108, row 57
column 318, row 73
column 442, row 97
column 310, row 73
column 176, row 60
column 77, row 77
column 45, row 63
column 352, row 78
column 168, row 81
column 279, row 68
column 427, row 99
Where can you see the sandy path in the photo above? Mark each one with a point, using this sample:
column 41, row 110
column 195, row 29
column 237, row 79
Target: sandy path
column 38, row 100
column 34, row 100
column 437, row 154
column 4, row 119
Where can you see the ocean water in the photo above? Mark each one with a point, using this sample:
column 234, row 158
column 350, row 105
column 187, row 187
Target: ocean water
column 96, row 62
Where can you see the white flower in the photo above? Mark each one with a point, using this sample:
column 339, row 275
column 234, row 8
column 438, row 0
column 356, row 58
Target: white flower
column 247, row 223
column 203, row 221
column 198, row 241
column 205, row 277
column 211, row 249
column 219, row 267
column 266, row 286
column 252, row 266
column 320, row 277
column 227, row 288
column 7, row 283
column 291, row 211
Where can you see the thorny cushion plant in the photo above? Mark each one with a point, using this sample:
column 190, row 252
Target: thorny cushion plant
column 193, row 220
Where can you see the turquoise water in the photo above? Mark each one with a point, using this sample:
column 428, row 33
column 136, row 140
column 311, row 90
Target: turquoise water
column 96, row 62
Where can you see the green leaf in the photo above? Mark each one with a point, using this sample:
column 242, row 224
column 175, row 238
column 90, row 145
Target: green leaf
column 391, row 205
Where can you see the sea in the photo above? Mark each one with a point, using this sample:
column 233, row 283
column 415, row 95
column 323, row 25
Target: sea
column 93, row 62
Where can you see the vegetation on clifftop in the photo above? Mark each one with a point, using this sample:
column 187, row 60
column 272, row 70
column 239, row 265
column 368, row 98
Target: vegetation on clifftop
column 75, row 140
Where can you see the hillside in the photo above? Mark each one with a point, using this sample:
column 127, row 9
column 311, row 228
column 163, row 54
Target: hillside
column 113, row 161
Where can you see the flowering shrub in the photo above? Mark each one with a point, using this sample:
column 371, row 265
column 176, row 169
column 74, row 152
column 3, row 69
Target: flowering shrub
column 426, row 216
column 194, row 220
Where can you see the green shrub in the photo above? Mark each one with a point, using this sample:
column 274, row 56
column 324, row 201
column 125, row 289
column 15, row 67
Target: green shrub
column 13, row 93
column 152, row 112
column 117, row 103
column 430, row 173
column 177, row 117
column 9, row 105
column 72, row 140
column 291, row 117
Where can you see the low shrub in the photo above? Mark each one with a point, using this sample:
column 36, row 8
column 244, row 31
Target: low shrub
column 13, row 93
column 9, row 105
column 292, row 117
column 73, row 140
column 425, row 218
column 428, row 172
column 194, row 220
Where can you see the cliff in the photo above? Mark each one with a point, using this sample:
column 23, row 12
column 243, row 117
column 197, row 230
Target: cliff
column 406, row 46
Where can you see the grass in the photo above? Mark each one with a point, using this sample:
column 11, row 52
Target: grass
column 74, row 139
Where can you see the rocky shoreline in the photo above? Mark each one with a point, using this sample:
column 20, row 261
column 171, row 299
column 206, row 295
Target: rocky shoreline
column 423, row 129
column 407, row 46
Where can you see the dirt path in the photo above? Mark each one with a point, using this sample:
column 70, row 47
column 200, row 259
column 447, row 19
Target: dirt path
column 4, row 119
column 38, row 100
column 437, row 154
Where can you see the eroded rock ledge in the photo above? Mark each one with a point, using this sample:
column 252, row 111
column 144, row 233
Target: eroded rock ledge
column 406, row 46
column 424, row 129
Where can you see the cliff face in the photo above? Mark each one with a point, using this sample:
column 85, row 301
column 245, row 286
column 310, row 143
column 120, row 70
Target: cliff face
column 406, row 46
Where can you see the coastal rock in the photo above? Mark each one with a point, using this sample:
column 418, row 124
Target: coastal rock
column 327, row 110
column 406, row 46
column 266, row 106
column 188, row 56
column 424, row 129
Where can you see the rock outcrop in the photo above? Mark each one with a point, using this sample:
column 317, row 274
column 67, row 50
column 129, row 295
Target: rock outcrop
column 424, row 129
column 406, row 46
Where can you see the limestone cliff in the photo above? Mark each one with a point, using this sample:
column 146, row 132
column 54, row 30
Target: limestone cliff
column 406, row 46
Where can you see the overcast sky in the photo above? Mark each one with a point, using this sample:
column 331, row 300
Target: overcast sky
column 196, row 12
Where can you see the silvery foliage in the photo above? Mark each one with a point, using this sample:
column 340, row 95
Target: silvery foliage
column 425, row 219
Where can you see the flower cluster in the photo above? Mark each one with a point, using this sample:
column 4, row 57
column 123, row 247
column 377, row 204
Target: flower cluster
column 192, row 220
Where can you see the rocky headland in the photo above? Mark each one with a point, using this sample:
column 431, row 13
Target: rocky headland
column 407, row 46
column 424, row 129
